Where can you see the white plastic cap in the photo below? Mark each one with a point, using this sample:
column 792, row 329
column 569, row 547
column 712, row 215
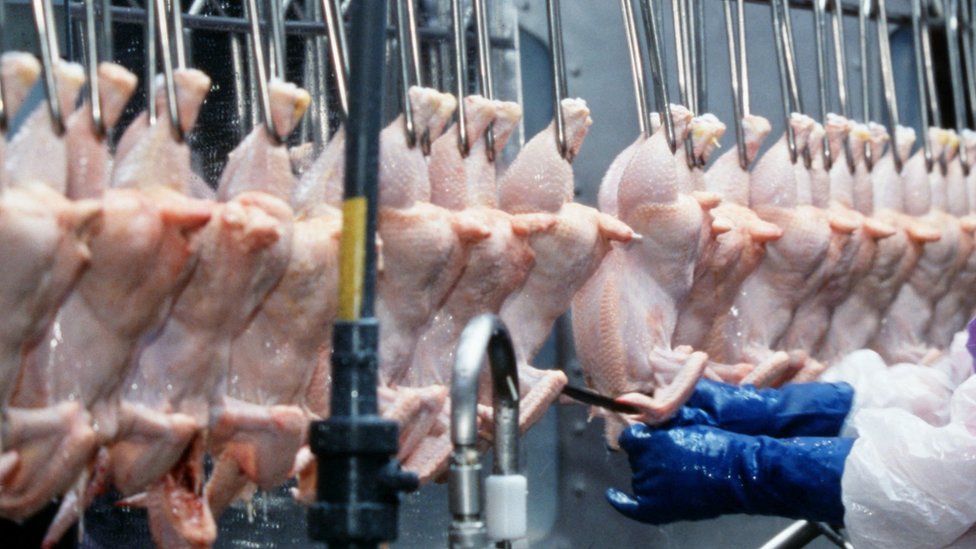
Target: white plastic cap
column 506, row 507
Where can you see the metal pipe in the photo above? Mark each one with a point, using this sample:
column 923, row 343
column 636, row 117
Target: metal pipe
column 840, row 60
column 636, row 67
column 955, row 73
column 743, row 57
column 784, row 83
column 740, row 139
column 460, row 75
column 358, row 478
column 888, row 77
column 558, row 74
column 48, row 45
column 176, row 10
column 701, row 77
column 794, row 77
column 337, row 53
column 484, row 335
column 276, row 23
column 795, row 536
column 657, row 69
column 933, row 93
column 679, row 17
column 484, row 68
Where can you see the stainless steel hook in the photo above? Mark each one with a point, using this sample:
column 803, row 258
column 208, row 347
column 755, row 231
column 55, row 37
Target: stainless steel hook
column 779, row 32
column 337, row 52
column 737, row 99
column 651, row 25
column 409, row 75
column 955, row 73
column 48, row 45
column 162, row 16
column 682, row 47
column 91, row 68
column 257, row 49
column 820, row 40
column 484, row 68
column 888, row 77
column 636, row 67
column 840, row 66
column 460, row 75
column 920, row 75
column 558, row 73
column 484, row 335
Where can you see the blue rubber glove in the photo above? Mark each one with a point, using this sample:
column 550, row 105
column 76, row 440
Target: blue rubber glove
column 700, row 472
column 797, row 409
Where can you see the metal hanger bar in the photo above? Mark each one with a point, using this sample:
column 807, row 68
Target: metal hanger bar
column 220, row 23
column 91, row 58
column 43, row 22
column 176, row 10
column 784, row 81
column 262, row 75
column 790, row 51
column 923, row 91
column 636, row 67
column 862, row 37
column 955, row 73
column 150, row 45
column 840, row 59
column 414, row 42
column 653, row 36
column 108, row 44
column 558, row 73
column 888, row 77
column 740, row 139
column 680, row 53
column 851, row 8
column 743, row 58
column 700, row 57
column 460, row 74
column 276, row 58
column 933, row 94
column 406, row 71
column 969, row 62
column 164, row 47
column 820, row 40
column 337, row 52
column 484, row 68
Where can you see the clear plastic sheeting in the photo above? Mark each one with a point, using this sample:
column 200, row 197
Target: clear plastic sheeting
column 923, row 391
column 907, row 483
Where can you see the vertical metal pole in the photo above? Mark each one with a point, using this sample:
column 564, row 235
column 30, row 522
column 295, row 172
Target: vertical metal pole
column 657, row 69
column 636, row 67
column 558, row 73
column 740, row 139
column 955, row 73
column 920, row 77
column 358, row 479
column 888, row 77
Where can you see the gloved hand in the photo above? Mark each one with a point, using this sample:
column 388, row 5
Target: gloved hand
column 700, row 472
column 797, row 409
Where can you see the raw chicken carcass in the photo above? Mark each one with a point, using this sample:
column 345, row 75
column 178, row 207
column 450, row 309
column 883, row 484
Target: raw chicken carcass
column 904, row 327
column 90, row 161
column 767, row 299
column 321, row 185
column 734, row 254
column 566, row 254
column 953, row 310
column 140, row 257
column 144, row 148
column 624, row 317
column 849, row 256
column 21, row 165
column 18, row 72
column 856, row 321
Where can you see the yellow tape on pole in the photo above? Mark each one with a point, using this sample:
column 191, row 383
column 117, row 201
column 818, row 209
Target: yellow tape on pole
column 352, row 259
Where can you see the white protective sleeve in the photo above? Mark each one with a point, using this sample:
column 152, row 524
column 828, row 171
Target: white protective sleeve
column 909, row 484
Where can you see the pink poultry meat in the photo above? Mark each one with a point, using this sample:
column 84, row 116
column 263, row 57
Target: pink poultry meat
column 38, row 134
column 89, row 165
column 18, row 72
column 321, row 184
column 951, row 314
column 902, row 334
column 496, row 265
column 625, row 315
column 262, row 421
column 849, row 257
column 768, row 297
column 856, row 321
column 735, row 253
column 566, row 254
